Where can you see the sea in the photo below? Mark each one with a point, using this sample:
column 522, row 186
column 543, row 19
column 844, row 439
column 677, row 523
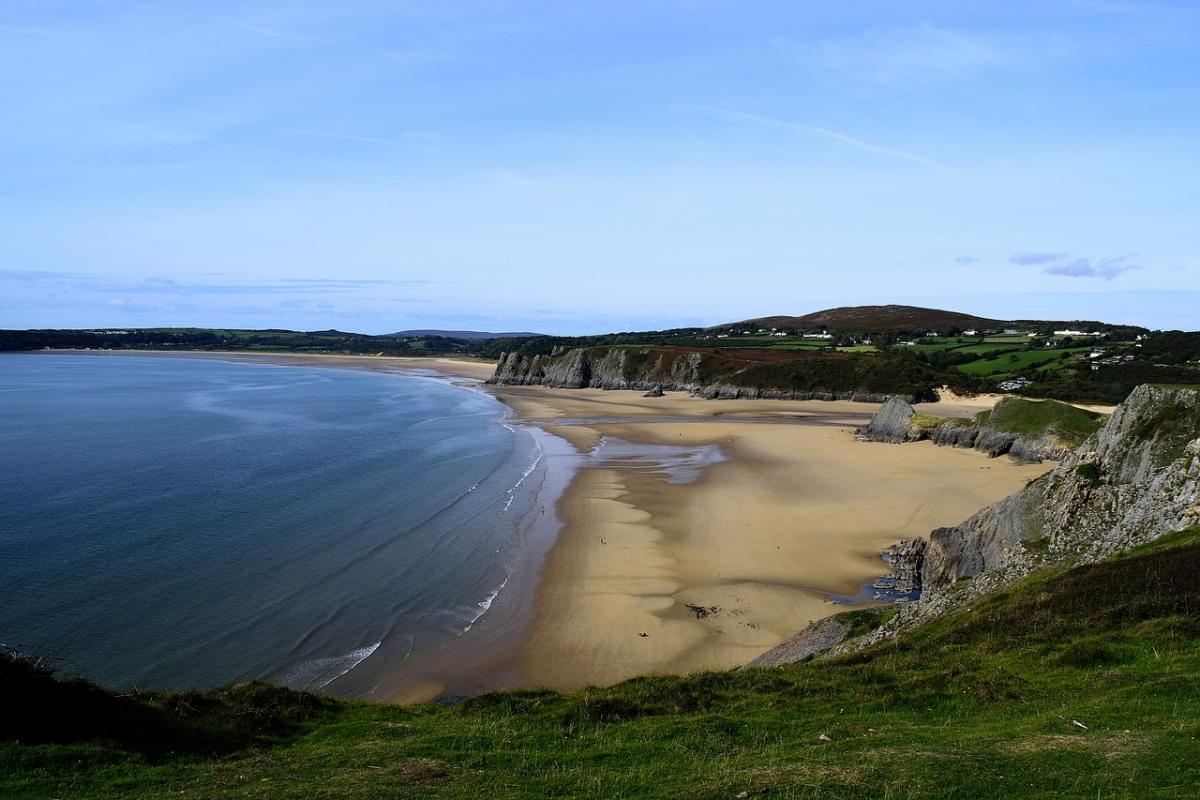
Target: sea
column 189, row 522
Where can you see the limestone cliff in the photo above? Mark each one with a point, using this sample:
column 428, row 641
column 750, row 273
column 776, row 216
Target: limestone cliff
column 1135, row 479
column 1132, row 481
column 893, row 422
column 719, row 373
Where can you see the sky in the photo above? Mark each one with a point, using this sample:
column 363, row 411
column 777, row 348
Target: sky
column 588, row 166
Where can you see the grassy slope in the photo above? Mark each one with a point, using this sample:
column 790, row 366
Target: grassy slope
column 1004, row 365
column 1067, row 423
column 978, row 704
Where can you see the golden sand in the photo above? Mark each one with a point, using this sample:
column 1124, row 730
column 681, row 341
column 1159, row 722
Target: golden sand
column 795, row 511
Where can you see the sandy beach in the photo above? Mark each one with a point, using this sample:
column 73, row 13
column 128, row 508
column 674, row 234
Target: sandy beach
column 649, row 576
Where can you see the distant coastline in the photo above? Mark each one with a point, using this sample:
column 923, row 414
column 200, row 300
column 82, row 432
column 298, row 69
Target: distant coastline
column 459, row 367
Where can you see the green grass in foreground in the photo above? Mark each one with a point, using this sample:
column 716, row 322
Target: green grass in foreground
column 1074, row 684
column 1067, row 423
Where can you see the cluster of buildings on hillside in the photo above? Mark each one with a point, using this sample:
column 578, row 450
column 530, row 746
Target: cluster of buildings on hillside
column 775, row 332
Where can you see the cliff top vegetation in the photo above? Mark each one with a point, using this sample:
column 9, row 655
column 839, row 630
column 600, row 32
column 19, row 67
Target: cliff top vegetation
column 1067, row 423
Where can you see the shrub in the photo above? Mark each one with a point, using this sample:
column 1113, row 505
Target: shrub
column 1089, row 472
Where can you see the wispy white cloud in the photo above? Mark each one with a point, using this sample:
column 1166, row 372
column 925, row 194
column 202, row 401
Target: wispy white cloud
column 922, row 53
column 1065, row 265
column 408, row 139
column 27, row 30
column 188, row 285
column 964, row 261
column 1110, row 6
column 813, row 130
column 1028, row 259
column 276, row 34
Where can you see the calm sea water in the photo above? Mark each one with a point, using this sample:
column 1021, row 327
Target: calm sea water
column 184, row 522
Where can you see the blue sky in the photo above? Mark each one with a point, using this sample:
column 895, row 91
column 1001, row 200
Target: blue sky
column 591, row 166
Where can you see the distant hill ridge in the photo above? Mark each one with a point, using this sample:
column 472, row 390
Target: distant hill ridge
column 875, row 319
column 900, row 318
column 464, row 334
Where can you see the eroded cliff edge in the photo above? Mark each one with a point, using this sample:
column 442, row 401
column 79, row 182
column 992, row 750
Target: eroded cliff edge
column 1135, row 479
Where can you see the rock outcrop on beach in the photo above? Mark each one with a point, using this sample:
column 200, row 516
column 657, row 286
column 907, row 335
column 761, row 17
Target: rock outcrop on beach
column 893, row 423
column 898, row 422
column 723, row 373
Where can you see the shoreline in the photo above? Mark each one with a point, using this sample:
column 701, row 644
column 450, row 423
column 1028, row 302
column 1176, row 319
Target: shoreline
column 484, row 656
column 624, row 572
column 446, row 365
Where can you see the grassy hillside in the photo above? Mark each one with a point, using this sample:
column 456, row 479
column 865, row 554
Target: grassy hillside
column 1073, row 684
column 1068, row 424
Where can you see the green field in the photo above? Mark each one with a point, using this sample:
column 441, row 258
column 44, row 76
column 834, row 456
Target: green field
column 784, row 344
column 775, row 342
column 1013, row 362
column 994, row 347
column 932, row 347
column 1073, row 684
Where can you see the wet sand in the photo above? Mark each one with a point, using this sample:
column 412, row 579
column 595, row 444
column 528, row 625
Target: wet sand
column 649, row 576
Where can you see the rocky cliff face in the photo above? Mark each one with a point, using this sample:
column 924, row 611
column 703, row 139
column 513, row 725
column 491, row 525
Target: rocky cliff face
column 1134, row 480
column 606, row 369
column 659, row 368
column 897, row 422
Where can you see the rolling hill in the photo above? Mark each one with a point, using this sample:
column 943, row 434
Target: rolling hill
column 874, row 319
column 912, row 320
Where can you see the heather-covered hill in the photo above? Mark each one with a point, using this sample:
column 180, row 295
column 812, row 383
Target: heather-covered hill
column 875, row 319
